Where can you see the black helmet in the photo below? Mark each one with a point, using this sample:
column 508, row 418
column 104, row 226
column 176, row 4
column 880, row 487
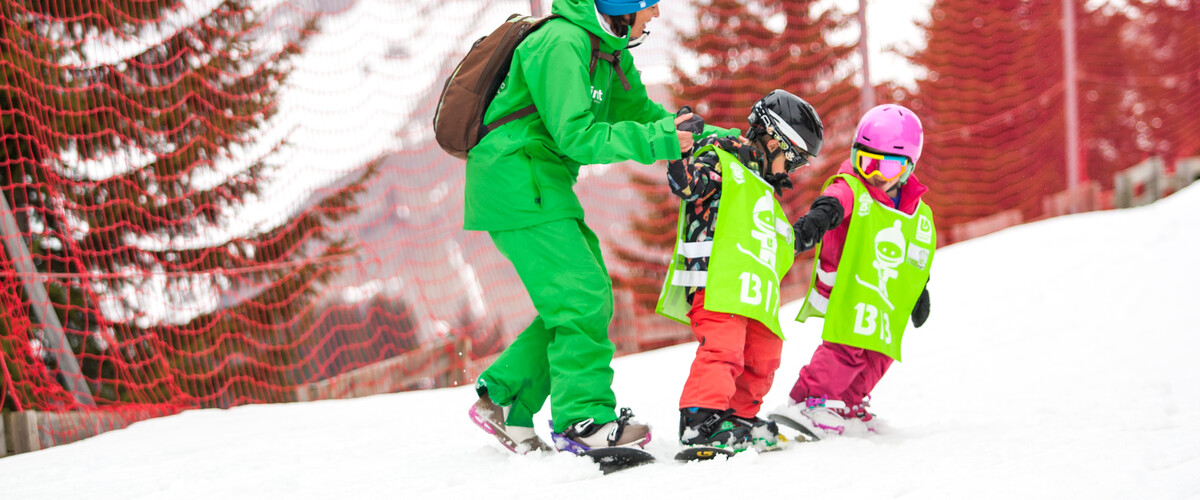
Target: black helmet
column 792, row 122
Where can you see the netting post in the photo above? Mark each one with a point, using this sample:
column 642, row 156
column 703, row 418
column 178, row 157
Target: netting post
column 1070, row 94
column 867, row 95
column 535, row 7
column 40, row 302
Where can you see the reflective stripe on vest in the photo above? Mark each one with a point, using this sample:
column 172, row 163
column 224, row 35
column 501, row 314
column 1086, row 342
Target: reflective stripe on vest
column 827, row 278
column 689, row 278
column 696, row 250
column 817, row 301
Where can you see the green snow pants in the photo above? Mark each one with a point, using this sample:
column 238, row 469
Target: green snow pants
column 565, row 353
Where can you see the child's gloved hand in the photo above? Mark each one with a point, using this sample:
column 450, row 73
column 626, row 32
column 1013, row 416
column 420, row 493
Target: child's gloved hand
column 825, row 213
column 808, row 233
column 921, row 309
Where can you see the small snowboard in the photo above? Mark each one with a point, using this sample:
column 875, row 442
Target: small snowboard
column 698, row 453
column 805, row 434
column 617, row 459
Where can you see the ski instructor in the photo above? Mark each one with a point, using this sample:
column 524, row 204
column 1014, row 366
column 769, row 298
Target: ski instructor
column 519, row 189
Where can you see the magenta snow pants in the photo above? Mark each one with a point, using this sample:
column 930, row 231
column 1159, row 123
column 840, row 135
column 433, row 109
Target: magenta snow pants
column 840, row 372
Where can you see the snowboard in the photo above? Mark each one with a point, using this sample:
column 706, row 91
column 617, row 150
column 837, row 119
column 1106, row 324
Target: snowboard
column 617, row 459
column 698, row 453
column 805, row 435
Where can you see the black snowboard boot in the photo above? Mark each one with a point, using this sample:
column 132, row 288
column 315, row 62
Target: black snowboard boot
column 706, row 427
column 764, row 434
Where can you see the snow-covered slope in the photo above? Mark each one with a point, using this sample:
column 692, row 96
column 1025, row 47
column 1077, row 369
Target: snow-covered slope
column 1059, row 361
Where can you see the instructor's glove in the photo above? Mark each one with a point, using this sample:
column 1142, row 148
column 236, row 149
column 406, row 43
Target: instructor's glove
column 825, row 213
column 921, row 309
column 695, row 124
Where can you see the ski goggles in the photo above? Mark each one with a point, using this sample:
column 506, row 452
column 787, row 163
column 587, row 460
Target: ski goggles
column 793, row 156
column 789, row 141
column 882, row 166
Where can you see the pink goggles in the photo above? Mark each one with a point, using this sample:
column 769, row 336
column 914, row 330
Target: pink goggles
column 882, row 166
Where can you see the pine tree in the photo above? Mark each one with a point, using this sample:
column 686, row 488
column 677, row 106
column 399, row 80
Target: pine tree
column 992, row 108
column 1108, row 126
column 742, row 59
column 125, row 172
column 824, row 75
column 1165, row 69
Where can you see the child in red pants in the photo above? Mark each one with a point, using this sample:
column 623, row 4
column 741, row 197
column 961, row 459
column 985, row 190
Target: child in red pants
column 734, row 303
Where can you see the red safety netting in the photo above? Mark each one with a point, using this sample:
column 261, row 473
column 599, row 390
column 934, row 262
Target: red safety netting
column 232, row 202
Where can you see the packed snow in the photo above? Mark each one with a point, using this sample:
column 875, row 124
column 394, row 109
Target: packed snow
column 1059, row 361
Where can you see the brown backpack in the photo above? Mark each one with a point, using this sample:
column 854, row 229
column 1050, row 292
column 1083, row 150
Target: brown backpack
column 458, row 122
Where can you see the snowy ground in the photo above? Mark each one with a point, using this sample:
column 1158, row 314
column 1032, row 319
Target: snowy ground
column 1059, row 362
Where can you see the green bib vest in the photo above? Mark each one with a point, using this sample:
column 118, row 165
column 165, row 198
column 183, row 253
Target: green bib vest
column 885, row 264
column 752, row 248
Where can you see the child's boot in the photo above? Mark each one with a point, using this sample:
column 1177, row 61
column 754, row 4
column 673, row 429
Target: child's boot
column 859, row 417
column 811, row 418
column 587, row 435
column 705, row 427
column 490, row 417
column 764, row 434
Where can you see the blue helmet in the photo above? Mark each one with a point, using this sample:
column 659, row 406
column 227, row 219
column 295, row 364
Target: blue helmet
column 622, row 7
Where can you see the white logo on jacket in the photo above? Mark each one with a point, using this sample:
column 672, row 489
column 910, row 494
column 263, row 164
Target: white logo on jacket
column 597, row 95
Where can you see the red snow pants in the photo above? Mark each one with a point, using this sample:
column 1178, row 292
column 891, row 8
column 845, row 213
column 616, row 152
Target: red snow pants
column 840, row 372
column 735, row 362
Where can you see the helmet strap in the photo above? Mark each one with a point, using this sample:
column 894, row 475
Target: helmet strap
column 779, row 181
column 762, row 142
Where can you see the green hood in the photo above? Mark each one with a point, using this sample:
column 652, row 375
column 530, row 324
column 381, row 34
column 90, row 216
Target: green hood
column 584, row 14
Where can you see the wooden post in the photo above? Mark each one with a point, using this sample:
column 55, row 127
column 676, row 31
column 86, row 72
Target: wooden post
column 1154, row 186
column 458, row 369
column 3, row 437
column 22, row 431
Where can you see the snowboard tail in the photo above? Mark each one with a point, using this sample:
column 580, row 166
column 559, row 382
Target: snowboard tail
column 617, row 459
column 805, row 435
column 610, row 459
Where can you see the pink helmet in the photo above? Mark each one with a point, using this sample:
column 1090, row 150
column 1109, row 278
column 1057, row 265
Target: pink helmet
column 891, row 129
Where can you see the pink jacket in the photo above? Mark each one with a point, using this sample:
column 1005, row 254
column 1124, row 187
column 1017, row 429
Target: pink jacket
column 833, row 241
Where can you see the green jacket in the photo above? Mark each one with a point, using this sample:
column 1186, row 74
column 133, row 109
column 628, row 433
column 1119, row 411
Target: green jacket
column 522, row 173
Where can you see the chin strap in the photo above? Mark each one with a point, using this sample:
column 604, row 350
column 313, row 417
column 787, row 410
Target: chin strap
column 779, row 181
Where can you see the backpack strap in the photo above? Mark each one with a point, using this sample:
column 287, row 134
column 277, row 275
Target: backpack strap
column 515, row 115
column 614, row 59
column 597, row 54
